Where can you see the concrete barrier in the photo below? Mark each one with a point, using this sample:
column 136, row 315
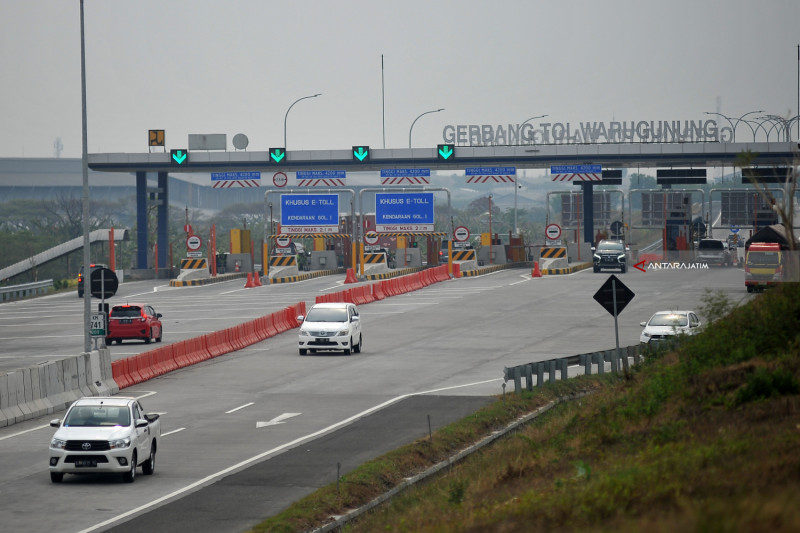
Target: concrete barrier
column 52, row 386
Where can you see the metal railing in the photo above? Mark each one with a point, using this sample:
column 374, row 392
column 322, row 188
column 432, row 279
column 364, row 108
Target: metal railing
column 555, row 366
column 15, row 292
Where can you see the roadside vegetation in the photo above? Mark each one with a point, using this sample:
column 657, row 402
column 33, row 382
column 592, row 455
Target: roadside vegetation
column 705, row 437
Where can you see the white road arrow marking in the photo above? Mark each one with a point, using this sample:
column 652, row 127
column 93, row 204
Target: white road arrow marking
column 277, row 420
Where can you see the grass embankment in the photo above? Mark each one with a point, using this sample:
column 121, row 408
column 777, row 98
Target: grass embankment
column 705, row 438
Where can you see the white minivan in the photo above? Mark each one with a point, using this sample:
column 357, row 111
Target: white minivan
column 330, row 326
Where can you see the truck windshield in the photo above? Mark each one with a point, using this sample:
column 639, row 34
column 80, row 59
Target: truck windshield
column 98, row 417
column 763, row 258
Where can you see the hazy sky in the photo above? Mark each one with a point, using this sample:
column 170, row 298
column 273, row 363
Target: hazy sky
column 235, row 66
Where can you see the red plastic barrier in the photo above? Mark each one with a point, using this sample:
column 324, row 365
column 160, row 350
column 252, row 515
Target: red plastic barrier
column 280, row 321
column 133, row 370
column 270, row 326
column 377, row 293
column 260, row 324
column 119, row 371
column 216, row 343
column 291, row 317
column 301, row 308
column 456, row 270
column 179, row 354
column 168, row 359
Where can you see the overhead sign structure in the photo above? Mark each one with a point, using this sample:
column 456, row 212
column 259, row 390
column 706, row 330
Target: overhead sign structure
column 445, row 152
column 320, row 178
column 412, row 212
column 491, row 174
column 277, row 155
column 579, row 172
column 405, row 176
column 310, row 213
column 226, row 180
column 361, row 153
column 178, row 157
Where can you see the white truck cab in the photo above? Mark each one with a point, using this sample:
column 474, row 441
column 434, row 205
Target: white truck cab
column 104, row 435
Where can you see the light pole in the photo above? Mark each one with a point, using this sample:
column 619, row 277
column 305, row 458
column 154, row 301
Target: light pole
column 415, row 121
column 287, row 115
column 733, row 126
column 532, row 118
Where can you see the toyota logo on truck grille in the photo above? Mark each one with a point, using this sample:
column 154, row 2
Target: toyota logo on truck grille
column 86, row 445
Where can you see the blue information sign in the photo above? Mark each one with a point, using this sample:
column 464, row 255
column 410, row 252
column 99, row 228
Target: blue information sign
column 404, row 211
column 405, row 172
column 221, row 176
column 321, row 174
column 309, row 211
column 575, row 169
column 491, row 171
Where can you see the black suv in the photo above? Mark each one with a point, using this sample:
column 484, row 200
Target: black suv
column 81, row 277
column 610, row 254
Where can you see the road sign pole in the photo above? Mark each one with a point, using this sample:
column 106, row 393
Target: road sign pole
column 615, row 359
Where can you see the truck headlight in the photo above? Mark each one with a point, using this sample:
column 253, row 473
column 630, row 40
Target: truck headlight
column 596, row 257
column 58, row 444
column 119, row 443
column 343, row 333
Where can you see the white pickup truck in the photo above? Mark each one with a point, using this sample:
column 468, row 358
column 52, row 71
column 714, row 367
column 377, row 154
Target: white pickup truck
column 108, row 435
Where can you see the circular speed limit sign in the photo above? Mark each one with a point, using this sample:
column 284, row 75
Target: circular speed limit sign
column 371, row 238
column 279, row 179
column 283, row 241
column 194, row 242
column 461, row 234
column 553, row 231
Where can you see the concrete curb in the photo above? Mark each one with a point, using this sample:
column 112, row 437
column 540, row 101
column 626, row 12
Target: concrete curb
column 206, row 281
column 567, row 270
column 52, row 386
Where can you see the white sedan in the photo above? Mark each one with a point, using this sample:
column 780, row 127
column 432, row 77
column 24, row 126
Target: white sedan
column 664, row 325
column 331, row 326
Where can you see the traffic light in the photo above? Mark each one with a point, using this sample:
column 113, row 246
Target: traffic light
column 445, row 152
column 415, row 244
column 361, row 153
column 276, row 155
column 178, row 158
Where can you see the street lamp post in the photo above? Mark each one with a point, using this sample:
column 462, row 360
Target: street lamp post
column 415, row 121
column 532, row 118
column 287, row 115
column 733, row 126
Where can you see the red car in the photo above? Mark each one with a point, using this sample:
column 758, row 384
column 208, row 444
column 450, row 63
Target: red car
column 133, row 321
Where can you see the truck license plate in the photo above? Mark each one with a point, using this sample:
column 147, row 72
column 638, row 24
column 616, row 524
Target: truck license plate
column 83, row 463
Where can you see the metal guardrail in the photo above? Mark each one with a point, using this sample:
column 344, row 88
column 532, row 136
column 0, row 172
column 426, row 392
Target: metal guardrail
column 15, row 292
column 561, row 365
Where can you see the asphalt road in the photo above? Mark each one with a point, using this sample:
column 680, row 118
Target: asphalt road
column 439, row 351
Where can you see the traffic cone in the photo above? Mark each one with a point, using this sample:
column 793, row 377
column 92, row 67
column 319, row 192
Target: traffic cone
column 351, row 276
column 257, row 280
column 249, row 284
column 536, row 273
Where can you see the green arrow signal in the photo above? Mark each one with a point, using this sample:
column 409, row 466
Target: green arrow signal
column 361, row 153
column 179, row 156
column 446, row 151
column 277, row 155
